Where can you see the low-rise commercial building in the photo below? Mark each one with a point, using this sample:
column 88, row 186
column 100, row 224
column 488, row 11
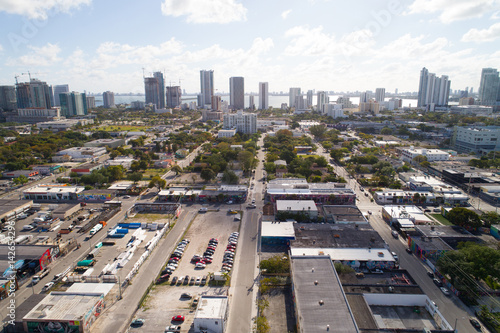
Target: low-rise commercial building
column 343, row 214
column 289, row 208
column 300, row 189
column 111, row 143
column 404, row 216
column 87, row 168
column 52, row 193
column 408, row 154
column 319, row 301
column 17, row 173
column 479, row 140
column 82, row 153
column 211, row 314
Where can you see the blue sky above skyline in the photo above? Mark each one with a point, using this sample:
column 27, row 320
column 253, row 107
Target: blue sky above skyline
column 98, row 45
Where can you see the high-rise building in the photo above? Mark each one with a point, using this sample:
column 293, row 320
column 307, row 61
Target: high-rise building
column 292, row 96
column 364, row 97
column 40, row 94
column 263, row 95
column 90, row 102
column 207, row 86
column 59, row 89
column 380, row 94
column 152, row 90
column 433, row 91
column 161, row 89
column 237, row 93
column 322, row 99
column 489, row 87
column 245, row 123
column 309, row 99
column 108, row 99
column 216, row 103
column 23, row 95
column 174, row 94
column 251, row 102
column 73, row 104
column 8, row 100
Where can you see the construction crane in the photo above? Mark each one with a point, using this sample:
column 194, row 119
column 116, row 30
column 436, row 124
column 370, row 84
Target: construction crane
column 29, row 74
column 16, row 76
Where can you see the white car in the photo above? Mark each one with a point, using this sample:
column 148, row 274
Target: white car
column 200, row 265
column 48, row 286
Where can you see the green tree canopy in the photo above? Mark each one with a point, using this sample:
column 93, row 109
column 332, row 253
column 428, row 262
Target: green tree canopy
column 464, row 217
column 207, row 174
column 157, row 181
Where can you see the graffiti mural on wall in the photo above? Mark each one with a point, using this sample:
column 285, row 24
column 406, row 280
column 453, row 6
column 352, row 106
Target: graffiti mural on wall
column 54, row 327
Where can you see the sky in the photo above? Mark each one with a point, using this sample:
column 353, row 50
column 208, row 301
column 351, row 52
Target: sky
column 99, row 45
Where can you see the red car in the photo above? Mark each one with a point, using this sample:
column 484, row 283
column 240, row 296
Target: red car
column 178, row 318
column 207, row 260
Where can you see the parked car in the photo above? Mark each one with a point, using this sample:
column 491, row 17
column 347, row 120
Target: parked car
column 178, row 318
column 430, row 274
column 137, row 322
column 395, row 234
column 174, row 280
column 408, row 250
column 437, row 282
column 445, row 291
column 203, row 210
column 200, row 265
column 198, row 280
column 475, row 323
column 186, row 295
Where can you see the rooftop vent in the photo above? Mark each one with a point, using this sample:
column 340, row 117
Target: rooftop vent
column 321, row 302
column 312, row 270
column 316, row 282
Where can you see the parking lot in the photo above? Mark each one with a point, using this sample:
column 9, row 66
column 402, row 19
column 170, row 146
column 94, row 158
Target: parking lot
column 211, row 224
column 164, row 301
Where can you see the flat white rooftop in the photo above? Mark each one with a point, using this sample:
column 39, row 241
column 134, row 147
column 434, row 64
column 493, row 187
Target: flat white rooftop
column 275, row 229
column 296, row 205
column 92, row 288
column 211, row 307
column 59, row 306
column 350, row 254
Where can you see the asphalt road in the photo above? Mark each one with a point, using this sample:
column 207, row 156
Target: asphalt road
column 454, row 311
column 244, row 281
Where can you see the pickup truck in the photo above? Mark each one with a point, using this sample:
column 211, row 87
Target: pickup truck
column 43, row 273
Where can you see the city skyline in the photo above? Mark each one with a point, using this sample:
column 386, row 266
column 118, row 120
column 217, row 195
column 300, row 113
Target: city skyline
column 384, row 45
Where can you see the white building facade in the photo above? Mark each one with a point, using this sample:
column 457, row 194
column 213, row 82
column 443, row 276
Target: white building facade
column 245, row 123
column 408, row 154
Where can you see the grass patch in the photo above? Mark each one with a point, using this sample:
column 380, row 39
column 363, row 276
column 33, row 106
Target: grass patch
column 441, row 219
column 123, row 128
column 150, row 217
column 150, row 173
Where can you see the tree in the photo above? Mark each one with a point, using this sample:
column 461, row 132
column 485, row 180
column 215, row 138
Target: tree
column 207, row 174
column 419, row 159
column 464, row 217
column 386, row 131
column 135, row 166
column 21, row 180
column 490, row 218
column 318, row 131
column 229, row 177
column 157, row 181
column 115, row 172
column 246, row 159
column 135, row 177
column 177, row 169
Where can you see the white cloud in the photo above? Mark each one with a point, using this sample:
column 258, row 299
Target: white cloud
column 40, row 9
column 110, row 54
column 41, row 56
column 285, row 14
column 205, row 11
column 484, row 35
column 454, row 10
